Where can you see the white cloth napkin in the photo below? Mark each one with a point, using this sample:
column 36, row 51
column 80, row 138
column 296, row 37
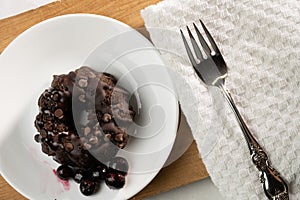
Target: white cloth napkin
column 260, row 41
column 10, row 8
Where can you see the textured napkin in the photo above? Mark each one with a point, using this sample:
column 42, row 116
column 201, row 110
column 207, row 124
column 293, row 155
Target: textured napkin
column 260, row 41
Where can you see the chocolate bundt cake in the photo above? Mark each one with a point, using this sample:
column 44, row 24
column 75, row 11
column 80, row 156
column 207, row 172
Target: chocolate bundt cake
column 82, row 123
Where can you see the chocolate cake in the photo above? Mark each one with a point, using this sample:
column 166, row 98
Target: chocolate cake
column 82, row 123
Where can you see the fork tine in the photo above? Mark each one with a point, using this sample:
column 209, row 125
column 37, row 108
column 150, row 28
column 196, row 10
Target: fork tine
column 195, row 45
column 210, row 38
column 202, row 41
column 189, row 52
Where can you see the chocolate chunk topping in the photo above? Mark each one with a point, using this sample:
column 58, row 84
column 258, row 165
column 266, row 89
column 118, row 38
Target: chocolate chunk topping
column 59, row 113
column 68, row 146
column 79, row 117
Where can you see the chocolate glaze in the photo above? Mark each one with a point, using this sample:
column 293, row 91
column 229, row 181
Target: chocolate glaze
column 78, row 118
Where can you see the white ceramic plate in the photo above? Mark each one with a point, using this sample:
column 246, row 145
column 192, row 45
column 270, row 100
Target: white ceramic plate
column 58, row 46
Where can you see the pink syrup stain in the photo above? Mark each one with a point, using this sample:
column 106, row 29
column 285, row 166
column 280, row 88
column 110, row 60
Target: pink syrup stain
column 48, row 186
column 65, row 183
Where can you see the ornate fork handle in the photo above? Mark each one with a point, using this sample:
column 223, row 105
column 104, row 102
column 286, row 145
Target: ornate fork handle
column 274, row 186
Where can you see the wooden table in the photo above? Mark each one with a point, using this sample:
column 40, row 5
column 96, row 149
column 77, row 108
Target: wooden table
column 189, row 167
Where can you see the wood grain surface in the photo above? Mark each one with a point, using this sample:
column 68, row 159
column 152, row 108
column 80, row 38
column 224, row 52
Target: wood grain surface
column 189, row 167
column 127, row 11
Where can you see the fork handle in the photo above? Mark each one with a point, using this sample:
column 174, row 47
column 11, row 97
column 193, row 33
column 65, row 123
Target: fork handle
column 274, row 186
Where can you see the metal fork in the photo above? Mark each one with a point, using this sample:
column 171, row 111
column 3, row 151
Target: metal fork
column 212, row 70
